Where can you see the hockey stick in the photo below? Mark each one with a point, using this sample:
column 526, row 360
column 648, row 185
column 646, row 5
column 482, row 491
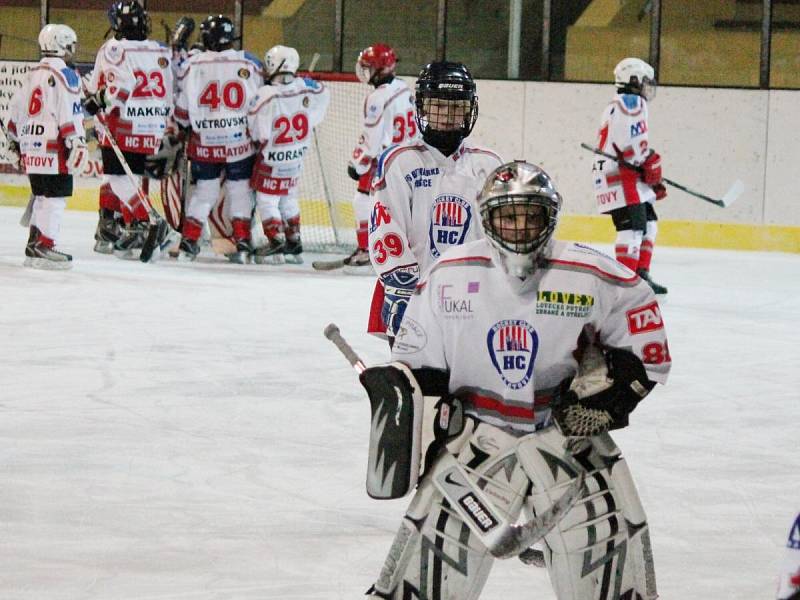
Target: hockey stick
column 727, row 199
column 501, row 537
column 158, row 226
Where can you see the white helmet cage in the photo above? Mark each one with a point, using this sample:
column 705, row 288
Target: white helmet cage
column 58, row 40
column 281, row 60
column 636, row 76
column 514, row 227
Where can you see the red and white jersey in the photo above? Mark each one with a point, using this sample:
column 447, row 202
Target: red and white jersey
column 282, row 118
column 389, row 118
column 508, row 349
column 425, row 203
column 623, row 132
column 216, row 89
column 44, row 112
column 789, row 583
column 137, row 76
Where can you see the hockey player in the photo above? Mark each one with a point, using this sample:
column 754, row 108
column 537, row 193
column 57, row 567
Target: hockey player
column 282, row 118
column 789, row 584
column 45, row 130
column 216, row 88
column 131, row 92
column 521, row 333
column 424, row 192
column 627, row 191
column 388, row 118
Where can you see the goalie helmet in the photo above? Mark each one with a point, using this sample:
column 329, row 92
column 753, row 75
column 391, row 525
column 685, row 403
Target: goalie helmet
column 58, row 40
column 281, row 60
column 129, row 20
column 217, row 33
column 634, row 76
column 519, row 209
column 447, row 106
column 376, row 64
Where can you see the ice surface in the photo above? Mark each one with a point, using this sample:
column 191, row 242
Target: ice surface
column 184, row 431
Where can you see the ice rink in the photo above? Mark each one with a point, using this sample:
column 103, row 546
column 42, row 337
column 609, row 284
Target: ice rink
column 184, row 431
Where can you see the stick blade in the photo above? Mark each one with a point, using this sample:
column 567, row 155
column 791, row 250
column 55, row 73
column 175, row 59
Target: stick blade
column 733, row 193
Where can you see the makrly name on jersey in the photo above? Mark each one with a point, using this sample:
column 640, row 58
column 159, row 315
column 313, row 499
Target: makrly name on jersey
column 507, row 354
column 424, row 203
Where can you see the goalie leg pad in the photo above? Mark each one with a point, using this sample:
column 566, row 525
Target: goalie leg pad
column 600, row 549
column 435, row 553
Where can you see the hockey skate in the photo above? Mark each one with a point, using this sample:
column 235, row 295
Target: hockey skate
column 188, row 250
column 129, row 245
column 107, row 232
column 656, row 287
column 293, row 252
column 271, row 253
column 39, row 255
column 242, row 254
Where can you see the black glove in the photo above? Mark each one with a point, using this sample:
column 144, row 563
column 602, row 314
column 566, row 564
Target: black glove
column 352, row 174
column 94, row 103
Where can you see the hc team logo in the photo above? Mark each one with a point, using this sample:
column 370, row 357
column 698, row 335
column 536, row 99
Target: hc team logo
column 512, row 347
column 450, row 220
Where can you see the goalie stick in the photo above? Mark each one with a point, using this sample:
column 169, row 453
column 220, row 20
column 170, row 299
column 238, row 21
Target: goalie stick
column 159, row 228
column 501, row 537
column 727, row 199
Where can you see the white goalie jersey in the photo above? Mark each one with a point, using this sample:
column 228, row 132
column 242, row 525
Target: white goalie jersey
column 508, row 354
column 216, row 91
column 425, row 204
column 138, row 79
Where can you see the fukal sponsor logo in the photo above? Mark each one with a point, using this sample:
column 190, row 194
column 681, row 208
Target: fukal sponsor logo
column 512, row 346
column 479, row 513
column 645, row 318
column 451, row 217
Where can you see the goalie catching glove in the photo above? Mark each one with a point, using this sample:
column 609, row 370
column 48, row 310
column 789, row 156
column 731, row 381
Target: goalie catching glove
column 609, row 384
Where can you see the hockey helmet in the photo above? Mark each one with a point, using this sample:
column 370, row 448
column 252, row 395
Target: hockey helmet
column 634, row 76
column 281, row 60
column 519, row 208
column 58, row 40
column 217, row 33
column 447, row 106
column 129, row 20
column 375, row 64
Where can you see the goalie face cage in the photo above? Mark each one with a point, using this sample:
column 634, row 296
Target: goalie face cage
column 326, row 192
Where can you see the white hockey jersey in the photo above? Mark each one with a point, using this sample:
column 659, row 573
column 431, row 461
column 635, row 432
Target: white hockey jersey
column 789, row 583
column 282, row 118
column 216, row 89
column 388, row 118
column 623, row 132
column 425, row 203
column 507, row 350
column 138, row 79
column 44, row 112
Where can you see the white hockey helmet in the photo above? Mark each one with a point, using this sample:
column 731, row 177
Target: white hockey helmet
column 519, row 208
column 281, row 60
column 58, row 40
column 636, row 76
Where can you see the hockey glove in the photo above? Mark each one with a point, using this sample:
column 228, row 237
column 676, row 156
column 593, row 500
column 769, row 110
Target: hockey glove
column 660, row 190
column 398, row 286
column 162, row 163
column 13, row 155
column 78, row 154
column 183, row 30
column 608, row 386
column 94, row 103
column 651, row 169
column 352, row 173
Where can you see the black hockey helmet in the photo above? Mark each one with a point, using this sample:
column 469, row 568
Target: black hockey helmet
column 129, row 20
column 217, row 32
column 447, row 106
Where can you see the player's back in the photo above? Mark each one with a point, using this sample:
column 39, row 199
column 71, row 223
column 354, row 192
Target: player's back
column 390, row 109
